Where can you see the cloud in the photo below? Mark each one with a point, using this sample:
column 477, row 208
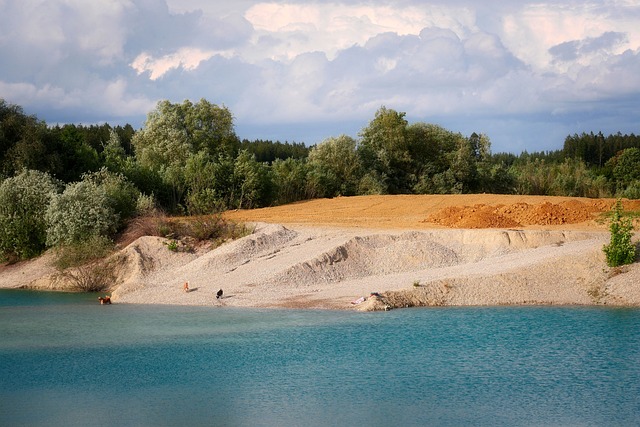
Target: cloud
column 331, row 27
column 575, row 49
column 116, row 102
column 532, row 31
column 152, row 27
column 327, row 66
column 186, row 58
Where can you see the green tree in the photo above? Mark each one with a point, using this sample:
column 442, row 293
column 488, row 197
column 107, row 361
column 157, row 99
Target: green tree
column 320, row 183
column 122, row 195
column 226, row 183
column 75, row 155
column 174, row 132
column 199, row 174
column 463, row 167
column 572, row 178
column 114, row 155
column 25, row 142
column 384, row 150
column 429, row 147
column 14, row 123
column 626, row 168
column 495, row 177
column 335, row 166
column 252, row 183
column 23, row 202
column 268, row 151
column 290, row 180
column 443, row 161
column 533, row 176
column 30, row 151
column 372, row 183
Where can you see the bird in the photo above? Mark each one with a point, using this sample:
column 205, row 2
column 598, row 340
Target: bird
column 219, row 294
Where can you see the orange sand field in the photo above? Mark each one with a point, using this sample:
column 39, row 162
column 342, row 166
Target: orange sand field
column 441, row 211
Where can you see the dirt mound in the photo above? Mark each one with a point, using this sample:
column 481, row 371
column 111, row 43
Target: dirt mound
column 518, row 214
column 478, row 216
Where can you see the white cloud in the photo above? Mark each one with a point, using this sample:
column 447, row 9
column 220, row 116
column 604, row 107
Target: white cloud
column 535, row 29
column 331, row 27
column 186, row 58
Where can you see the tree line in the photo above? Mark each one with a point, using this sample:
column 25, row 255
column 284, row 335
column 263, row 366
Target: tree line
column 72, row 181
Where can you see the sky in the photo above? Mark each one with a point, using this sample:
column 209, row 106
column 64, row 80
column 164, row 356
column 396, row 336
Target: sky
column 527, row 74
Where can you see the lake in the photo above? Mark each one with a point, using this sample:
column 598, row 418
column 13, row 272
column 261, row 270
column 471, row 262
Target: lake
column 65, row 360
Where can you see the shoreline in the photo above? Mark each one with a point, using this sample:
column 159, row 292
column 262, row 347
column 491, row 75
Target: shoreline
column 310, row 267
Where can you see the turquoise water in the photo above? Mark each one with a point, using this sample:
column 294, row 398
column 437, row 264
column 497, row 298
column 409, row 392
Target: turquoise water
column 67, row 361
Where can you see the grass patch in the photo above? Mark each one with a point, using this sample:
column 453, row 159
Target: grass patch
column 183, row 232
column 606, row 217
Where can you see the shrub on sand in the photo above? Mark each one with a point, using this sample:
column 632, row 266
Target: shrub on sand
column 620, row 250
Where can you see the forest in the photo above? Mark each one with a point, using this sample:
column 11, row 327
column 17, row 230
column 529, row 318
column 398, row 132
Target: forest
column 62, row 184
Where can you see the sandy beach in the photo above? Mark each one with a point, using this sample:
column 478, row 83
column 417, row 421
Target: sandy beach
column 380, row 252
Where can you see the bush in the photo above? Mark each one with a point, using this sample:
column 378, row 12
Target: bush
column 82, row 252
column 23, row 202
column 372, row 184
column 85, row 263
column 81, row 212
column 96, row 276
column 620, row 250
column 204, row 201
column 122, row 195
column 146, row 205
column 632, row 191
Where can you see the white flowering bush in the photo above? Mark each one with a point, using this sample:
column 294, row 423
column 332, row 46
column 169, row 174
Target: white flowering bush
column 23, row 202
column 122, row 195
column 82, row 211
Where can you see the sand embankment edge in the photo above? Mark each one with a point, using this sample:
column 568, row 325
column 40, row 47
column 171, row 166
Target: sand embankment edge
column 332, row 267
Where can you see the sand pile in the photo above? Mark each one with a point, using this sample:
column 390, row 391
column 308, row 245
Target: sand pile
column 517, row 214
